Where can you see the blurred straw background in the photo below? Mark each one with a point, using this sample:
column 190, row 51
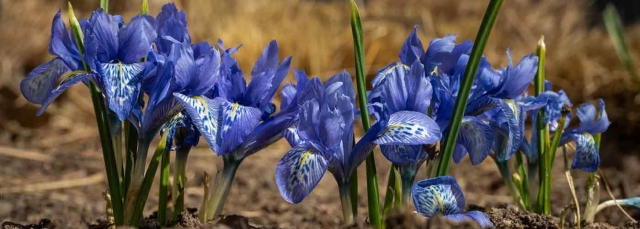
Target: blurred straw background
column 581, row 59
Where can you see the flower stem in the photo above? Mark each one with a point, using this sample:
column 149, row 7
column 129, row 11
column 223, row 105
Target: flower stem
column 407, row 174
column 137, row 176
column 372, row 179
column 131, row 147
column 548, row 160
column 140, row 192
column 164, row 186
column 525, row 181
column 345, row 200
column 469, row 74
column 354, row 192
column 116, row 139
column 179, row 180
column 104, row 4
column 216, row 202
column 542, row 131
column 506, row 177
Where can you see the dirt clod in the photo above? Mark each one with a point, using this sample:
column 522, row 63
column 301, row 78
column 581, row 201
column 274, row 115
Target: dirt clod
column 510, row 217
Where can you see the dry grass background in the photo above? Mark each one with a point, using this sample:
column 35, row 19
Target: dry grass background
column 580, row 59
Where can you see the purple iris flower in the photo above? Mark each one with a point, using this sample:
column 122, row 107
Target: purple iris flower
column 232, row 116
column 323, row 136
column 592, row 122
column 442, row 195
column 113, row 50
column 181, row 67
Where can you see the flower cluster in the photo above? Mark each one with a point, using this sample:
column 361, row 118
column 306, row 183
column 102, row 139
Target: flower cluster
column 197, row 90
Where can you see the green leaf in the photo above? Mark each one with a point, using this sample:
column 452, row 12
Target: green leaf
column 614, row 27
column 469, row 74
column 372, row 180
column 104, row 4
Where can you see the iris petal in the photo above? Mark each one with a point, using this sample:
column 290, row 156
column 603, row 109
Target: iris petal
column 409, row 127
column 74, row 78
column 299, row 172
column 122, row 86
column 291, row 135
column 514, row 133
column 477, row 137
column 206, row 115
column 238, row 122
column 37, row 86
column 481, row 218
column 438, row 195
column 412, row 48
column 587, row 157
column 438, row 50
column 61, row 44
column 402, row 154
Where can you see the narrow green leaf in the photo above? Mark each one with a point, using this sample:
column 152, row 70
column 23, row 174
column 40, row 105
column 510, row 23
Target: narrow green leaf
column 614, row 27
column 542, row 131
column 469, row 74
column 104, row 4
column 164, row 188
column 372, row 180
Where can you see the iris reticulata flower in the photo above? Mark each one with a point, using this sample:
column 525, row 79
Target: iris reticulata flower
column 592, row 122
column 323, row 137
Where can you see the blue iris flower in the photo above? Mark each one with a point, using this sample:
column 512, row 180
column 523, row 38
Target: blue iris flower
column 113, row 50
column 181, row 67
column 553, row 104
column 323, row 137
column 592, row 122
column 38, row 86
column 445, row 63
column 442, row 195
column 403, row 88
column 232, row 115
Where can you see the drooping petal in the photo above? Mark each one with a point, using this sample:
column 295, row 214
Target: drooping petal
column 73, row 78
column 238, row 122
column 477, row 137
column 363, row 147
column 587, row 157
column 412, row 48
column 409, row 127
column 299, row 171
column 514, row 131
column 481, row 218
column 206, row 115
column 402, row 154
column 37, row 86
column 438, row 50
column 122, row 86
column 164, row 111
column 438, row 195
